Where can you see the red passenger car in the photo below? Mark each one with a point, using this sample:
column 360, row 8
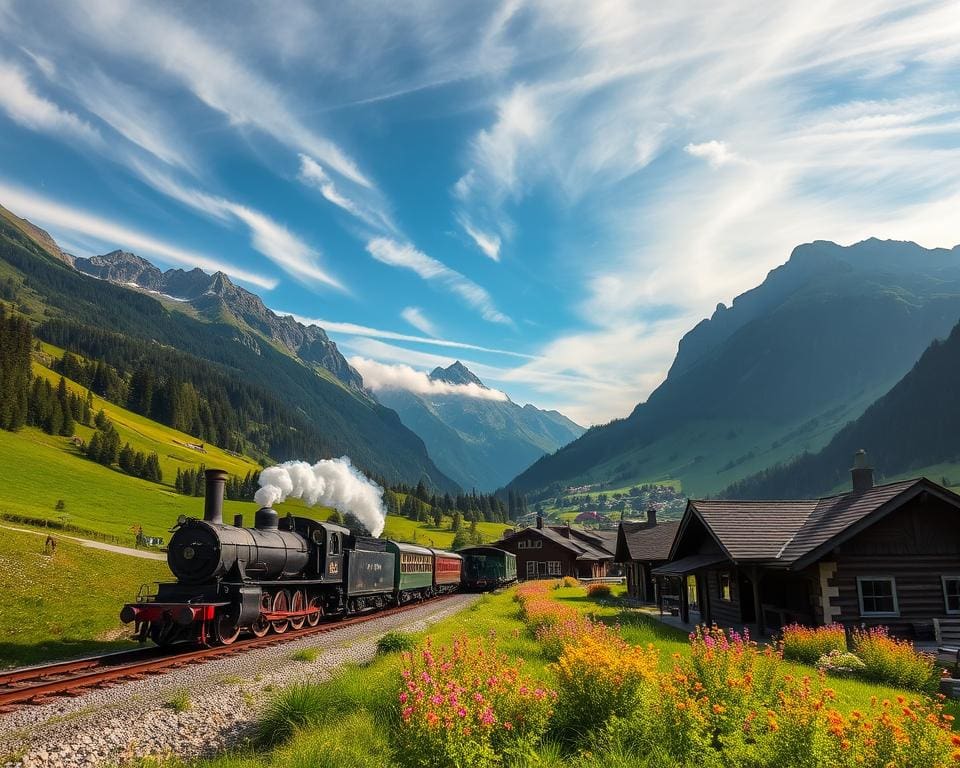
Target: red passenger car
column 447, row 567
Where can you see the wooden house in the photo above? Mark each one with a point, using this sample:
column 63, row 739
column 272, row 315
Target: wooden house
column 877, row 555
column 641, row 547
column 555, row 551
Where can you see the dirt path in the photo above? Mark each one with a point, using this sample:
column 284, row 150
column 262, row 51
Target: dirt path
column 117, row 549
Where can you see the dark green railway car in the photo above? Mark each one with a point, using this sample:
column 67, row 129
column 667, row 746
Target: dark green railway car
column 487, row 568
column 413, row 571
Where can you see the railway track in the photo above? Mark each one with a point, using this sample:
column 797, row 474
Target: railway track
column 41, row 684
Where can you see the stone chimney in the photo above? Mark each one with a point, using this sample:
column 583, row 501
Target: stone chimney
column 861, row 474
column 539, row 522
column 651, row 517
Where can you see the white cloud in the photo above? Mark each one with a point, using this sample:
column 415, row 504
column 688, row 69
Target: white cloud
column 26, row 107
column 267, row 236
column 378, row 376
column 486, row 242
column 353, row 329
column 59, row 217
column 717, row 153
column 406, row 256
column 416, row 318
column 213, row 74
column 367, row 207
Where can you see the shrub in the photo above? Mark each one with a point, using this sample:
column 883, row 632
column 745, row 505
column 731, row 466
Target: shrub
column 305, row 654
column 895, row 662
column 180, row 701
column 468, row 705
column 841, row 664
column 395, row 642
column 598, row 591
column 807, row 644
column 293, row 708
column 600, row 677
column 567, row 582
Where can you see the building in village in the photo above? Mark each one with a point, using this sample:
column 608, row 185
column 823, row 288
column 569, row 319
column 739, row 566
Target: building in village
column 641, row 547
column 553, row 551
column 878, row 554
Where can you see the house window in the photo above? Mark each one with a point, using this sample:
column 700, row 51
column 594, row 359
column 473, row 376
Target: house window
column 553, row 568
column 951, row 593
column 529, row 544
column 878, row 596
column 531, row 569
column 726, row 591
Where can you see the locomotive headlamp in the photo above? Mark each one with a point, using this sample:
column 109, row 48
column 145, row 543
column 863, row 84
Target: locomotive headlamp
column 188, row 553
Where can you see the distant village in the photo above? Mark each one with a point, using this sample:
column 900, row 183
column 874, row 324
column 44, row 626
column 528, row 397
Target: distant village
column 588, row 507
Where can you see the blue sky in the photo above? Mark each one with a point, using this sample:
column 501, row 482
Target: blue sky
column 553, row 192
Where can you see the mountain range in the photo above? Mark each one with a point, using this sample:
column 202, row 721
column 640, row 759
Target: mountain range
column 243, row 361
column 777, row 374
column 480, row 442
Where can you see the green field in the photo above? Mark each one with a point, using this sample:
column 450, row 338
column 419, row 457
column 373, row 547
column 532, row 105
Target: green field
column 49, row 609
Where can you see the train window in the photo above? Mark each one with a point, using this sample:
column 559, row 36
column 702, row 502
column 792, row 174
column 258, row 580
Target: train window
column 334, row 544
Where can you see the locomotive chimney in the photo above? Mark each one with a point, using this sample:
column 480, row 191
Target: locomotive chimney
column 862, row 473
column 213, row 499
column 266, row 519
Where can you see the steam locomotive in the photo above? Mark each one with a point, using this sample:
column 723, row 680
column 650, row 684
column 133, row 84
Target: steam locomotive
column 283, row 573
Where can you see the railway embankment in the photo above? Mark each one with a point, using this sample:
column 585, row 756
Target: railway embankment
column 195, row 710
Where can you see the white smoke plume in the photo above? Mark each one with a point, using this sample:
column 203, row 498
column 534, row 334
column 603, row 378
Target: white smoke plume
column 378, row 376
column 330, row 483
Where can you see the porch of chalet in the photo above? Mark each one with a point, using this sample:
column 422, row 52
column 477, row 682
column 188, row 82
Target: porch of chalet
column 709, row 589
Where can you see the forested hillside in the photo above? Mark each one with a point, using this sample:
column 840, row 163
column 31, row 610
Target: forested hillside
column 231, row 388
column 914, row 426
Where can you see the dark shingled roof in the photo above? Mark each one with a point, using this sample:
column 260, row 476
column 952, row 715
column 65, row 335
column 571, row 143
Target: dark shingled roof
column 787, row 532
column 647, row 542
column 580, row 548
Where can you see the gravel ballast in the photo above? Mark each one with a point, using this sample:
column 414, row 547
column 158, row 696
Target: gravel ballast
column 224, row 696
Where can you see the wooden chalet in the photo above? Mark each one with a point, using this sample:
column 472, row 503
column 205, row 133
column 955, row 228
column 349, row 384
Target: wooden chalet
column 886, row 554
column 641, row 547
column 556, row 551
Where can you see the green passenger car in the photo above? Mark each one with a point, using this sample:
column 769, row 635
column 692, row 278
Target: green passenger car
column 487, row 568
column 413, row 571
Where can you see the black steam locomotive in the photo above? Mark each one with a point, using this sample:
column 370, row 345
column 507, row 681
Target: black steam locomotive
column 283, row 573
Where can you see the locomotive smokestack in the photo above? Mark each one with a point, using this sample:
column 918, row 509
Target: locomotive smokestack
column 213, row 500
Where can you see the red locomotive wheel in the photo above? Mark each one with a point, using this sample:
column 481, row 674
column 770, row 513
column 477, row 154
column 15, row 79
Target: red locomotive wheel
column 298, row 603
column 281, row 603
column 315, row 612
column 261, row 626
column 225, row 630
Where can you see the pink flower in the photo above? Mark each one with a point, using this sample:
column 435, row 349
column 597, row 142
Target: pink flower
column 403, row 698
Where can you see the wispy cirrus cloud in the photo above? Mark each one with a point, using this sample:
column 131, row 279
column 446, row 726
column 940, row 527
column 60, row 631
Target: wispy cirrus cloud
column 416, row 318
column 355, row 329
column 25, row 106
column 380, row 376
column 717, row 153
column 64, row 218
column 407, row 256
column 268, row 236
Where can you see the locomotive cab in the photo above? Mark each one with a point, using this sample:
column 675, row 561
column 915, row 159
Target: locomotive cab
column 328, row 543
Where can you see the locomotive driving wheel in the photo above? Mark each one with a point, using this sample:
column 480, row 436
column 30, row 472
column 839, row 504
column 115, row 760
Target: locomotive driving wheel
column 314, row 612
column 281, row 602
column 298, row 604
column 225, row 629
column 261, row 626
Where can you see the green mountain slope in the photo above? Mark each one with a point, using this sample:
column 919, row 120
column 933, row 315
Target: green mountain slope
column 480, row 443
column 911, row 430
column 254, row 396
column 778, row 373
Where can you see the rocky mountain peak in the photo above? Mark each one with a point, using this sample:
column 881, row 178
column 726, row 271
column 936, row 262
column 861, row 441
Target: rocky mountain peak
column 211, row 295
column 457, row 373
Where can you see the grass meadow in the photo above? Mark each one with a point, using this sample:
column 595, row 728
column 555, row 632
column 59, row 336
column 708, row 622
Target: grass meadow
column 48, row 609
